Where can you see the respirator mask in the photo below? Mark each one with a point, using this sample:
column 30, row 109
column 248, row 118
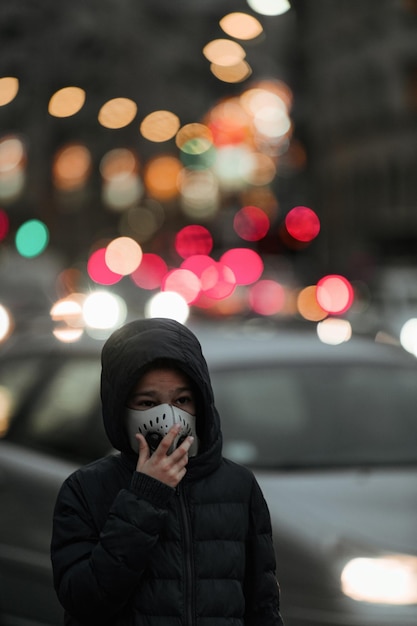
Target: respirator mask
column 156, row 422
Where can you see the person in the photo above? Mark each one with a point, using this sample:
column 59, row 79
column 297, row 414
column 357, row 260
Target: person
column 165, row 532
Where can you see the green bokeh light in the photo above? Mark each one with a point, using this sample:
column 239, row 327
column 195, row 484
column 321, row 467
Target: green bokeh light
column 32, row 238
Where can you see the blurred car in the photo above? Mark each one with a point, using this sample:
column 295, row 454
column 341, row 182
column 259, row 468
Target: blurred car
column 330, row 432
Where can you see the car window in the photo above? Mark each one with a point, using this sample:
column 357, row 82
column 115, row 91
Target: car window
column 54, row 405
column 70, row 395
column 16, row 379
column 320, row 416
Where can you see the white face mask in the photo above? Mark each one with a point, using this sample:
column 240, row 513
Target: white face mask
column 156, row 422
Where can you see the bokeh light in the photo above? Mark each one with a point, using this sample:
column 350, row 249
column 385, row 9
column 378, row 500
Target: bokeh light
column 194, row 138
column 218, row 281
column 4, row 224
column 224, row 52
column 408, row 336
column 6, row 323
column 150, row 272
column 122, row 186
column 263, row 170
column 140, row 222
column 103, row 310
column 66, row 334
column 228, row 123
column 334, row 331
column 9, row 87
column 66, row 102
column 193, row 239
column 122, row 193
column 302, row 223
column 12, row 167
column 159, row 126
column 199, row 194
column 269, row 7
column 67, row 314
column 99, row 271
column 123, row 255
column 246, row 264
column 251, row 223
column 161, row 177
column 307, row 305
column 236, row 73
column 233, row 166
column 168, row 304
column 198, row 264
column 117, row 113
column 32, row 238
column 334, row 294
column 68, row 310
column 266, row 297
column 241, row 26
column 184, row 282
column 118, row 163
column 71, row 167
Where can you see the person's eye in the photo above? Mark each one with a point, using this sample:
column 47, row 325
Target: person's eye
column 146, row 404
column 142, row 405
column 184, row 400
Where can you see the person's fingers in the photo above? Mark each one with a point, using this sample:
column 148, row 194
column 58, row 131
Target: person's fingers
column 168, row 440
column 181, row 453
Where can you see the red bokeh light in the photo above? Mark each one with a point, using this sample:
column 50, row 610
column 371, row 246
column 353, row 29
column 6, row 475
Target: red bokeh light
column 184, row 282
column 150, row 272
column 227, row 131
column 193, row 239
column 246, row 264
column 251, row 223
column 218, row 281
column 334, row 294
column 267, row 297
column 302, row 223
column 198, row 263
column 4, row 224
column 98, row 270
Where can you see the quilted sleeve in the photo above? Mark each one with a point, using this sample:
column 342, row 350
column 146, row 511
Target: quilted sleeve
column 95, row 572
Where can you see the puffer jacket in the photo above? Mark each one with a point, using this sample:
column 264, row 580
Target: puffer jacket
column 128, row 550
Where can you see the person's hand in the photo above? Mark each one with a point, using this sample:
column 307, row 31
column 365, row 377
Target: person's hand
column 167, row 468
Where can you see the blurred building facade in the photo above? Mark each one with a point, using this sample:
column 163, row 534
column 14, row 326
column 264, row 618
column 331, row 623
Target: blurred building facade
column 357, row 99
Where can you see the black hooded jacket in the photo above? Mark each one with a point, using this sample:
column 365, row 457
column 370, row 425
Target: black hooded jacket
column 128, row 550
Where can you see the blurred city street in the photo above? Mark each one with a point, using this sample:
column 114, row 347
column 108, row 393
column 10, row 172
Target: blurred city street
column 142, row 142
column 248, row 168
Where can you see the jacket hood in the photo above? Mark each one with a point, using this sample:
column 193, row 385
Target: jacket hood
column 129, row 351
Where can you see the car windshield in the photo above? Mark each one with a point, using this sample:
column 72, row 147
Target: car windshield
column 53, row 404
column 318, row 416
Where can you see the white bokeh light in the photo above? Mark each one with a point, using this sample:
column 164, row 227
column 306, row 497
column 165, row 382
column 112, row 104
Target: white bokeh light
column 408, row 336
column 334, row 331
column 103, row 310
column 168, row 304
column 269, row 7
column 5, row 323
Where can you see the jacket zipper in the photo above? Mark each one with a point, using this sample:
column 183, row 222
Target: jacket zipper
column 188, row 558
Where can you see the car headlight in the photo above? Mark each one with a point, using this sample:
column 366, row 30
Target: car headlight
column 391, row 579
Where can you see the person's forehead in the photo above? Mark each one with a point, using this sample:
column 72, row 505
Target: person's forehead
column 167, row 376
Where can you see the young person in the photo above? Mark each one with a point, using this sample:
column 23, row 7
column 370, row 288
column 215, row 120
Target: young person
column 167, row 532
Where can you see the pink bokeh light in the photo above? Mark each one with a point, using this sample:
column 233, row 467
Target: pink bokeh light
column 246, row 265
column 98, row 271
column 334, row 294
column 150, row 272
